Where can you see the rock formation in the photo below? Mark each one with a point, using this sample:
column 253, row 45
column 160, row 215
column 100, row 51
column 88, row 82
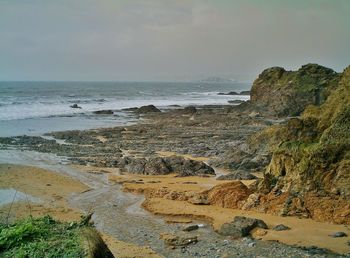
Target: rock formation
column 309, row 173
column 282, row 93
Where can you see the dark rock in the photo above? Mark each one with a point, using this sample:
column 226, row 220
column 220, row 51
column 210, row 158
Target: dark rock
column 136, row 166
column 241, row 226
column 103, row 112
column 236, row 101
column 237, row 175
column 75, row 106
column 229, row 93
column 130, row 109
column 191, row 228
column 147, row 109
column 157, row 166
column 245, row 92
column 338, row 234
column 281, row 227
column 190, row 110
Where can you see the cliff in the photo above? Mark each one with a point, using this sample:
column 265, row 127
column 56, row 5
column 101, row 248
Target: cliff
column 309, row 173
column 287, row 93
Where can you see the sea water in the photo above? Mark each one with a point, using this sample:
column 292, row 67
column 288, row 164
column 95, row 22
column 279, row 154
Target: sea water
column 34, row 108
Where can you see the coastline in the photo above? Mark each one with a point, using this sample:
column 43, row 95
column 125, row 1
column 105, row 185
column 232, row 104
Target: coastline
column 165, row 206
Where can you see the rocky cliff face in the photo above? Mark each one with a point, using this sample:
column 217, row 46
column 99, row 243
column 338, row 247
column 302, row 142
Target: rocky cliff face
column 309, row 173
column 282, row 93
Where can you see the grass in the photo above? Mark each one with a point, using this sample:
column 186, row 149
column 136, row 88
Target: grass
column 41, row 237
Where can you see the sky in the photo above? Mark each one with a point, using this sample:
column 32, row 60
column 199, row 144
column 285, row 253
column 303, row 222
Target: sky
column 109, row 40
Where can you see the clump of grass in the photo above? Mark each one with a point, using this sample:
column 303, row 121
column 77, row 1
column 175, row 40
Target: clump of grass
column 41, row 237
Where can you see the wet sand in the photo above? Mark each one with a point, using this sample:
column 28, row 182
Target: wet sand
column 304, row 232
column 53, row 191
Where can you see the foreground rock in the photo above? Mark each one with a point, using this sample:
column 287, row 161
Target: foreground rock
column 241, row 226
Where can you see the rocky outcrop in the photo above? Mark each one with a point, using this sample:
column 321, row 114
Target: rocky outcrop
column 308, row 174
column 164, row 166
column 283, row 93
column 147, row 109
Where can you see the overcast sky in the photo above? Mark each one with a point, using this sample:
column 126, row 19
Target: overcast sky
column 168, row 39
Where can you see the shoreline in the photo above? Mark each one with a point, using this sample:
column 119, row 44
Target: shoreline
column 163, row 206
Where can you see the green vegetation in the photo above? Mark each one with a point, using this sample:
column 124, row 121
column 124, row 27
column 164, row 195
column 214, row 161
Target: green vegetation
column 314, row 150
column 41, row 237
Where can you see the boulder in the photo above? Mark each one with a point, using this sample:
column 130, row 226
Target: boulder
column 228, row 195
column 241, row 226
column 147, row 109
column 75, row 106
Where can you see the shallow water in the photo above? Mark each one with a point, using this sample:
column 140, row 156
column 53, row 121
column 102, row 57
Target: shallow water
column 10, row 195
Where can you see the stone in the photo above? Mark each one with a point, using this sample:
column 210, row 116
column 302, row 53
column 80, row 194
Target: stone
column 241, row 226
column 338, row 234
column 228, row 195
column 280, row 227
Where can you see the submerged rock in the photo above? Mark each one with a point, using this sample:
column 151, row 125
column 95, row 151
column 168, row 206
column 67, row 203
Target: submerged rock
column 75, row 106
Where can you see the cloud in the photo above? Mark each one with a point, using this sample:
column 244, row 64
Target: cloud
column 167, row 39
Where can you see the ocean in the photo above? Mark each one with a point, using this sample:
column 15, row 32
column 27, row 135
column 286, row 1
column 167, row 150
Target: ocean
column 34, row 108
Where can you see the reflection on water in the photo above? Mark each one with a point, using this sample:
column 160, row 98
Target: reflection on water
column 10, row 195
